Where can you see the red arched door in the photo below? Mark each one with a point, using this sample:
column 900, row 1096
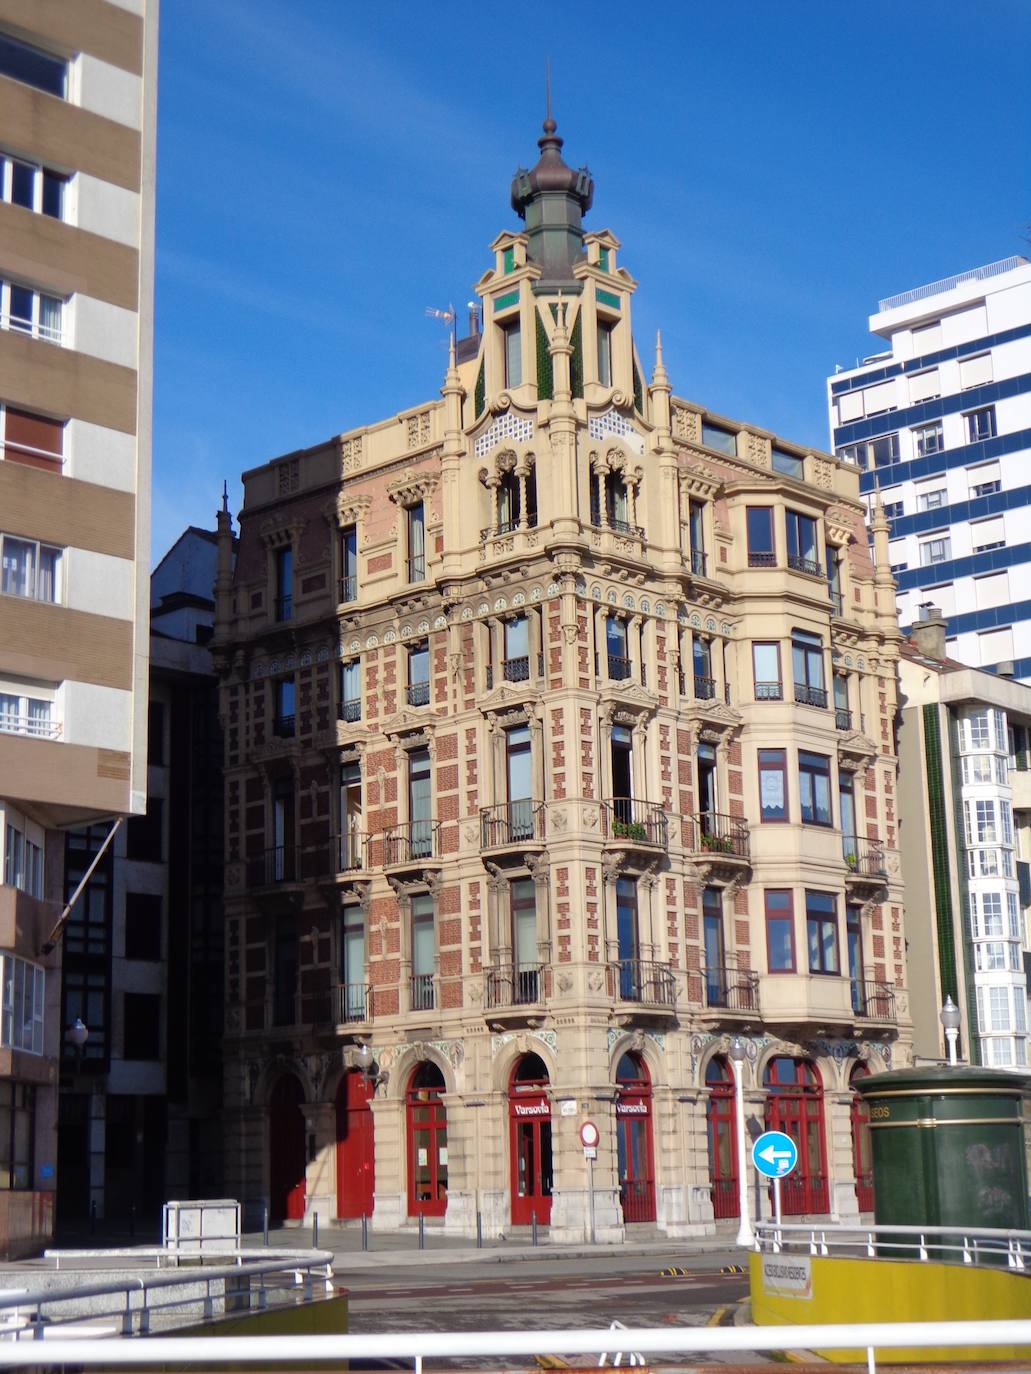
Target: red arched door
column 427, row 1142
column 862, row 1158
column 356, row 1159
column 529, row 1114
column 719, row 1117
column 286, row 1151
column 634, row 1151
column 794, row 1105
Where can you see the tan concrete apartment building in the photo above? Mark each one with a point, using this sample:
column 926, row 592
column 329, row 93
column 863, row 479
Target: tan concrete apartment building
column 559, row 750
column 77, row 139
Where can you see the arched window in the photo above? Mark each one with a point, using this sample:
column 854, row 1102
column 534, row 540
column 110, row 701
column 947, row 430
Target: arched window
column 862, row 1157
column 529, row 1113
column 794, row 1105
column 634, row 1147
column 719, row 1117
column 427, row 1142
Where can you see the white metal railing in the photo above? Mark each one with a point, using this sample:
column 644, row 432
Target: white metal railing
column 198, row 1351
column 30, row 725
column 945, row 1244
column 36, row 329
column 919, row 293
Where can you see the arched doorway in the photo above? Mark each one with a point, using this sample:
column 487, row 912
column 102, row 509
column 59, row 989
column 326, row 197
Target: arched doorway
column 356, row 1159
column 529, row 1114
column 862, row 1157
column 634, row 1151
column 287, row 1162
column 794, row 1105
column 719, row 1118
column 427, row 1142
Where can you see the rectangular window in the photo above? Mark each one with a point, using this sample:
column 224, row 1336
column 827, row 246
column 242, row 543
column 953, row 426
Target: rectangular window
column 628, row 940
column 924, row 386
column 523, row 911
column 787, row 464
column 31, row 186
column 284, row 725
column 144, row 834
column 416, row 520
column 814, row 788
column 605, row 352
column 807, row 665
column 23, row 858
column 616, row 648
column 988, row 534
column 723, row 440
column 21, row 1012
column 773, row 785
column 975, row 371
column 27, row 311
column 761, row 548
column 879, row 452
column 33, row 66
column 854, row 941
column 931, row 500
column 351, row 690
column 424, row 952
column 981, row 424
column 285, row 961
column 142, row 926
column 32, row 440
column 780, row 931
column 348, row 564
column 142, row 1030
column 29, row 569
column 928, row 439
column 696, row 518
column 420, row 804
column 285, row 583
column 803, row 551
column 419, row 675
column 353, row 962
column 766, row 671
column 22, row 714
column 937, row 550
column 822, row 932
column 512, row 340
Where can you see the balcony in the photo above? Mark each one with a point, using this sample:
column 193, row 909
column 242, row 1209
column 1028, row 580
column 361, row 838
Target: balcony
column 350, row 711
column 809, row 566
column 837, row 603
column 842, row 718
column 704, row 688
column 512, row 823
column 699, row 560
column 632, row 823
column 761, row 559
column 810, row 696
column 769, row 691
column 510, row 986
column 717, row 835
column 351, row 851
column 618, row 668
column 284, row 727
column 873, row 1000
column 40, row 727
column 347, row 589
column 418, row 694
column 505, row 527
column 276, row 865
column 352, row 1002
column 416, row 568
column 412, row 843
column 864, row 859
column 646, row 983
column 284, row 607
column 731, row 990
column 421, row 992
column 514, row 670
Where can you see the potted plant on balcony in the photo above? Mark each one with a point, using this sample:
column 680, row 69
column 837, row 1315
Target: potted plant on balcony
column 852, row 861
column 630, row 830
column 717, row 844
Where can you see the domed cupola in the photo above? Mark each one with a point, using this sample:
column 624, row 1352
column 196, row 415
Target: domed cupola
column 552, row 198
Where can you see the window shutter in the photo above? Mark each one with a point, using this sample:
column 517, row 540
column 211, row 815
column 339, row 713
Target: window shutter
column 923, row 385
column 33, row 439
column 988, row 532
column 850, row 407
column 984, row 472
column 975, row 371
column 877, row 399
column 992, row 591
column 996, row 646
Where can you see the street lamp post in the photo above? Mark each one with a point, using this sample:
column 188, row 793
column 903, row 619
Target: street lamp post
column 949, row 1017
column 745, row 1234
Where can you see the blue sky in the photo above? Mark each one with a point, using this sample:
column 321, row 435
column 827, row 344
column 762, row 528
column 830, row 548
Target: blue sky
column 328, row 169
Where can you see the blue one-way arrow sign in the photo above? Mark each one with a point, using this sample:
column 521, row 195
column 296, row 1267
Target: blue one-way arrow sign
column 774, row 1154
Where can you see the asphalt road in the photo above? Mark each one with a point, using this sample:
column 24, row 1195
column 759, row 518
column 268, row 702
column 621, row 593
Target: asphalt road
column 542, row 1294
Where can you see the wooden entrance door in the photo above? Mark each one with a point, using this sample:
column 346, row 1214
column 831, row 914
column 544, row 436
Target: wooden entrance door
column 287, row 1186
column 529, row 1113
column 795, row 1106
column 356, row 1163
column 722, row 1142
column 634, row 1149
column 427, row 1142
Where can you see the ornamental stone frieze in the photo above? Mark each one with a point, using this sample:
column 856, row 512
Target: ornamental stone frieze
column 413, row 486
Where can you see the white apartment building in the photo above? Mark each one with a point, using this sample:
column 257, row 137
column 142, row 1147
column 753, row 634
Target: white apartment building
column 940, row 422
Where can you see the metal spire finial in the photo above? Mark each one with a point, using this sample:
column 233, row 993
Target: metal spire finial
column 225, row 497
column 549, row 124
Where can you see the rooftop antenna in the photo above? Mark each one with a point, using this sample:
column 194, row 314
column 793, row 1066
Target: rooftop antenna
column 448, row 316
column 225, row 496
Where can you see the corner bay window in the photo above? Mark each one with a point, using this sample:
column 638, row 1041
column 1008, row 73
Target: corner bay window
column 773, row 785
column 780, row 931
column 766, row 670
column 814, row 788
column 512, row 347
column 822, row 932
column 761, row 548
column 418, row 675
column 21, row 1015
column 415, row 519
column 807, row 662
column 803, row 550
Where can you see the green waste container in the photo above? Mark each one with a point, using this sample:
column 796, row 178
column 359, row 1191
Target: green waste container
column 948, row 1148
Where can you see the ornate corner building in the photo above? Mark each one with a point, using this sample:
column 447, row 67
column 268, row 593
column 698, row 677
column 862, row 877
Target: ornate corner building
column 559, row 750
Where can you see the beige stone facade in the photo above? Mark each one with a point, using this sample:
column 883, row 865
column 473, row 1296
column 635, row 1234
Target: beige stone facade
column 77, row 152
column 559, row 748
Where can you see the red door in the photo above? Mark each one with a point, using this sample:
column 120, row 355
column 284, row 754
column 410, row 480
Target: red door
column 795, row 1106
column 862, row 1158
column 427, row 1143
column 634, row 1151
column 356, row 1166
column 529, row 1113
column 286, row 1151
column 722, row 1140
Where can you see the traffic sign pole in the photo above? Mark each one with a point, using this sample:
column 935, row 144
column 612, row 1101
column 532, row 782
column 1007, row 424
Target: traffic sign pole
column 776, row 1205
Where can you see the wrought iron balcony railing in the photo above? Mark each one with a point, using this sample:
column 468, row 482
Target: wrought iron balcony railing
column 348, row 589
column 769, row 691
column 418, row 693
column 699, row 559
column 837, row 602
column 422, row 992
column 873, row 999
column 804, row 565
column 351, row 851
column 417, row 568
column 704, row 688
column 732, row 989
column 516, row 669
column 810, row 696
column 514, row 985
column 276, row 865
column 863, row 857
column 284, row 727
column 715, row 833
column 842, row 718
column 618, row 667
column 412, row 842
column 504, row 527
column 352, row 1002
column 351, row 711
column 515, row 822
column 761, row 559
column 635, row 822
column 639, row 980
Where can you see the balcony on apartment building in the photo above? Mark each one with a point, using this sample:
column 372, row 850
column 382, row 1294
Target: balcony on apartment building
column 727, row 991
column 504, row 528
column 347, row 590
column 352, row 1003
column 411, row 844
column 795, row 1002
column 873, row 1000
column 629, row 823
column 718, row 836
column 514, row 670
column 422, row 992
column 515, row 825
column 864, row 861
column 807, row 695
column 511, row 992
column 644, row 982
column 279, row 864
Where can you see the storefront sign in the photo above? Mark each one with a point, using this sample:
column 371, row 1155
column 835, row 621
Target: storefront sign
column 787, row 1277
column 532, row 1108
column 631, row 1108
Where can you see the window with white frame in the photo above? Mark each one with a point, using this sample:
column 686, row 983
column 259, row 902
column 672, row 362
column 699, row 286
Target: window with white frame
column 32, row 186
column 989, row 863
column 985, row 914
column 23, row 854
column 34, row 66
column 28, row 311
column 22, row 1007
column 1012, row 916
column 928, row 439
column 29, row 568
column 982, row 825
column 937, row 550
column 26, row 709
column 981, row 424
column 931, row 500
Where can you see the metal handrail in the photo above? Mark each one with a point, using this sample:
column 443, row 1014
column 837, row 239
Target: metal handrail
column 418, row 693
column 969, row 1242
column 352, row 1002
column 350, row 710
column 761, row 559
column 797, row 563
column 731, row 989
column 633, row 821
column 704, row 688
column 715, row 833
column 29, row 725
column 873, row 999
column 412, row 841
column 645, row 981
column 348, row 589
column 810, row 696
column 514, row 985
column 17, row 324
column 864, row 857
column 769, row 691
column 515, row 822
column 698, row 561
column 934, row 288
